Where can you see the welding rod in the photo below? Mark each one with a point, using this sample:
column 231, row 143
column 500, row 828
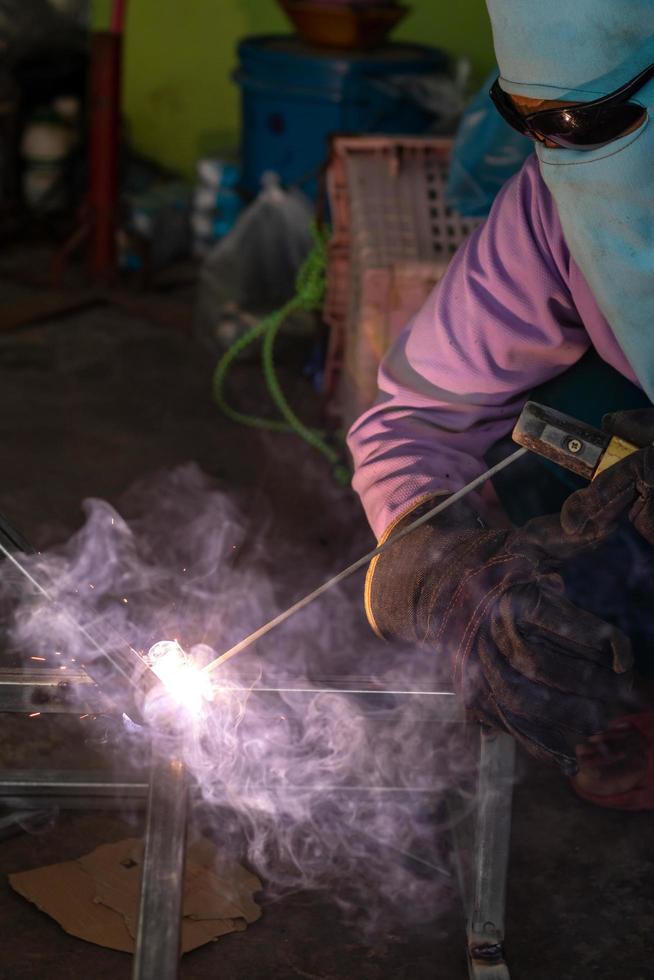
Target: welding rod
column 364, row 560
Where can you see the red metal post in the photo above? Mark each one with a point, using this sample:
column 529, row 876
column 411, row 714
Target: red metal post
column 104, row 134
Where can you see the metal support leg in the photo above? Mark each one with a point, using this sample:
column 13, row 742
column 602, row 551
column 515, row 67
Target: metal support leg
column 491, row 857
column 160, row 915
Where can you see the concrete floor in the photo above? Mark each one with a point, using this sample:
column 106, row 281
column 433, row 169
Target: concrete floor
column 88, row 403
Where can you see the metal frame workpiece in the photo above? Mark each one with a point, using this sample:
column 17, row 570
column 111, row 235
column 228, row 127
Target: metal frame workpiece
column 165, row 795
column 50, row 690
column 492, row 842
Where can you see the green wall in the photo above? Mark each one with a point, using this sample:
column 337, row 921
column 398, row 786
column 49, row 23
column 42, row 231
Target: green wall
column 178, row 97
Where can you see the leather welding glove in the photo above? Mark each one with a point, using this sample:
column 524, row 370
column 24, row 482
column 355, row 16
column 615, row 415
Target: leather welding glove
column 523, row 657
column 626, row 488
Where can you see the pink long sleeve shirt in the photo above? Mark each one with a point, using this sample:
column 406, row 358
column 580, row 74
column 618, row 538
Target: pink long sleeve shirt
column 512, row 311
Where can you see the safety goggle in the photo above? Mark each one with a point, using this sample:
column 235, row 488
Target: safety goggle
column 582, row 125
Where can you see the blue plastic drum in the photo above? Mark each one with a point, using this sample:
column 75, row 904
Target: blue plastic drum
column 295, row 96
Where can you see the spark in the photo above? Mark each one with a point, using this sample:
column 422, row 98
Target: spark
column 35, row 714
column 65, row 615
column 42, row 659
column 82, row 717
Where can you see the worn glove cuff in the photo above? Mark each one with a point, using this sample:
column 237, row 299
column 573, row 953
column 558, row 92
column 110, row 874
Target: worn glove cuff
column 417, row 507
column 403, row 584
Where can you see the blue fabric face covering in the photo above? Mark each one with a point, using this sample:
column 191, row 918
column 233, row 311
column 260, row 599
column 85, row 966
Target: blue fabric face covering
column 579, row 50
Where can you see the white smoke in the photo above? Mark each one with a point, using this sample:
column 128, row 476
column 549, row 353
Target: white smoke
column 342, row 792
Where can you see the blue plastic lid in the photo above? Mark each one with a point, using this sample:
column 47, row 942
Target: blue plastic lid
column 286, row 60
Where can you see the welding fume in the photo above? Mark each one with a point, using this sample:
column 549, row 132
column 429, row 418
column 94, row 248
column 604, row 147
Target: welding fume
column 506, row 470
column 547, row 299
column 320, row 788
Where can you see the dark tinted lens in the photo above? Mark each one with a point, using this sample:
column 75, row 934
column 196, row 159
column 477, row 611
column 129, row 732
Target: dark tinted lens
column 507, row 109
column 584, row 128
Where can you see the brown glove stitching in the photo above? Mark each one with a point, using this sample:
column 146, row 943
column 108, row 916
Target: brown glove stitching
column 472, row 628
column 466, row 549
column 522, row 737
column 592, row 514
column 547, row 631
column 496, row 560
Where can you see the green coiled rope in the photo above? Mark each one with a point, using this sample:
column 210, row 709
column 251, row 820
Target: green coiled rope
column 310, row 287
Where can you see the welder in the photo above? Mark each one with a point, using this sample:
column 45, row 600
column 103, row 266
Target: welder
column 544, row 618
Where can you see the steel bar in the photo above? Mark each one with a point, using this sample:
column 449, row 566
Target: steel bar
column 12, row 539
column 102, row 785
column 50, row 691
column 67, row 789
column 440, row 706
column 370, row 689
column 72, row 782
column 461, row 826
column 478, row 970
column 81, row 802
column 491, row 859
column 158, row 939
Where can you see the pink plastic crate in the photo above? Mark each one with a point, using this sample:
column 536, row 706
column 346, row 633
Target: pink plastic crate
column 393, row 237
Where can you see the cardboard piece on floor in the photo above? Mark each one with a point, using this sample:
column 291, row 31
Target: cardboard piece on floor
column 96, row 897
column 67, row 894
column 221, row 885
